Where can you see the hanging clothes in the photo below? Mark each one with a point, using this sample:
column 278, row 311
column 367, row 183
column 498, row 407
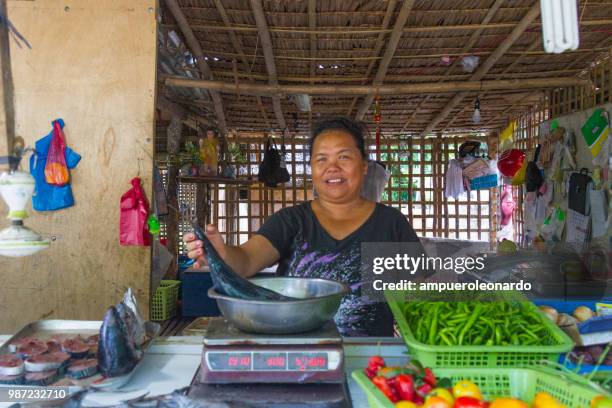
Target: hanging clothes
column 453, row 185
column 49, row 197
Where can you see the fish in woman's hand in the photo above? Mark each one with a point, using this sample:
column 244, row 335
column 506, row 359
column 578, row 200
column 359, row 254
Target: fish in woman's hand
column 117, row 353
column 228, row 282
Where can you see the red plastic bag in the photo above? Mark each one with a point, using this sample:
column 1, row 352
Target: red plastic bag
column 56, row 171
column 133, row 227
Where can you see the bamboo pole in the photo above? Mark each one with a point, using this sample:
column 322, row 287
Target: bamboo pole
column 266, row 44
column 531, row 15
column 196, row 49
column 383, row 66
column 394, row 78
column 7, row 119
column 389, row 89
column 375, row 31
column 292, row 55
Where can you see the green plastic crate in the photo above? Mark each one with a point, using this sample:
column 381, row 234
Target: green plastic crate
column 480, row 356
column 521, row 383
column 165, row 299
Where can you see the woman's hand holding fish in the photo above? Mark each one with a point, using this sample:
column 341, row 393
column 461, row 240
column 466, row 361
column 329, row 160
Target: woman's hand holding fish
column 196, row 249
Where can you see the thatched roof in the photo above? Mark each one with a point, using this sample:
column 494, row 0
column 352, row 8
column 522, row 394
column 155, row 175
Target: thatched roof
column 345, row 41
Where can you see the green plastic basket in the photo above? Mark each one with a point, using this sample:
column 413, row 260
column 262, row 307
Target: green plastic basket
column 521, row 383
column 164, row 302
column 480, row 356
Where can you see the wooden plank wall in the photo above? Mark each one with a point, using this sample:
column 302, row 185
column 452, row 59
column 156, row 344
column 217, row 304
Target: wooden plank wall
column 93, row 63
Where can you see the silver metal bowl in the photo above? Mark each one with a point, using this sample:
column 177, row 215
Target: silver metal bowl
column 319, row 300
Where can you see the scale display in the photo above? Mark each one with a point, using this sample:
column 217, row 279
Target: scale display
column 273, row 360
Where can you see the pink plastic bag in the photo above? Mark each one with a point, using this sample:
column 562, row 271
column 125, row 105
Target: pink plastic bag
column 56, row 170
column 133, row 227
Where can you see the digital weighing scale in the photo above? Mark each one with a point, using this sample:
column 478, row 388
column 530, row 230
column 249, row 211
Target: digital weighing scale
column 259, row 370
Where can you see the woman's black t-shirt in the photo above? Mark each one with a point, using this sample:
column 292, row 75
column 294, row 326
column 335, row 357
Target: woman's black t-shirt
column 307, row 250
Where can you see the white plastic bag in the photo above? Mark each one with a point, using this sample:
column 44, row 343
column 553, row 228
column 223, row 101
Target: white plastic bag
column 469, row 63
column 375, row 182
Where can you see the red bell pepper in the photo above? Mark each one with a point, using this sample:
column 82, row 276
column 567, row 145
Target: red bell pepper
column 383, row 385
column 376, row 362
column 424, row 389
column 404, row 385
column 430, row 378
column 469, row 402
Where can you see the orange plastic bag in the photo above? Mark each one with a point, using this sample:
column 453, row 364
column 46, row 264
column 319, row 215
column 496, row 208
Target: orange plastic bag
column 56, row 170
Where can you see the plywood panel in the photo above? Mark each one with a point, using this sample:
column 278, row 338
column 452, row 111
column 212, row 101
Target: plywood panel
column 92, row 64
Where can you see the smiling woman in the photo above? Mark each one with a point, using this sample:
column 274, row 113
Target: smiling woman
column 322, row 238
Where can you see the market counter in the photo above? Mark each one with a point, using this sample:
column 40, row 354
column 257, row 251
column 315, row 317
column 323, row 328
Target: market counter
column 171, row 363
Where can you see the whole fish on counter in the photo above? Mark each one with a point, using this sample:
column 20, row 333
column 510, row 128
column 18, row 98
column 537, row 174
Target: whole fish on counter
column 121, row 338
column 117, row 353
column 228, row 282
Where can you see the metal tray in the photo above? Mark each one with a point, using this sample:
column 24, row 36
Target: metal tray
column 45, row 329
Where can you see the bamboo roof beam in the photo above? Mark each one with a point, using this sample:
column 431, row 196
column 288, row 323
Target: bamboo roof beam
column 396, row 77
column 582, row 57
column 175, row 110
column 412, row 56
column 531, row 47
column 472, row 40
column 236, row 44
column 531, row 15
column 194, row 46
column 383, row 66
column 452, row 120
column 377, row 48
column 374, row 31
column 388, row 89
column 312, row 24
column 266, row 44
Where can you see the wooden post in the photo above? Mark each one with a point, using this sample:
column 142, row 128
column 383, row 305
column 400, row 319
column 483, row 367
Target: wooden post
column 173, row 145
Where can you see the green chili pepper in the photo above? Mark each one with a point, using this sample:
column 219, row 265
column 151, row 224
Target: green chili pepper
column 469, row 323
column 434, row 326
column 497, row 335
column 445, row 339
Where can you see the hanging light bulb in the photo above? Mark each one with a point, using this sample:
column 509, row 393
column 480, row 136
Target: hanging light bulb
column 476, row 115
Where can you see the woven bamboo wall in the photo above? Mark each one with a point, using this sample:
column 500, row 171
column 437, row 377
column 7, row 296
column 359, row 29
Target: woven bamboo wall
column 555, row 103
column 416, row 188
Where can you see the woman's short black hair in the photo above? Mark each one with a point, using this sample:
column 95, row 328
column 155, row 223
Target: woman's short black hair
column 356, row 129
